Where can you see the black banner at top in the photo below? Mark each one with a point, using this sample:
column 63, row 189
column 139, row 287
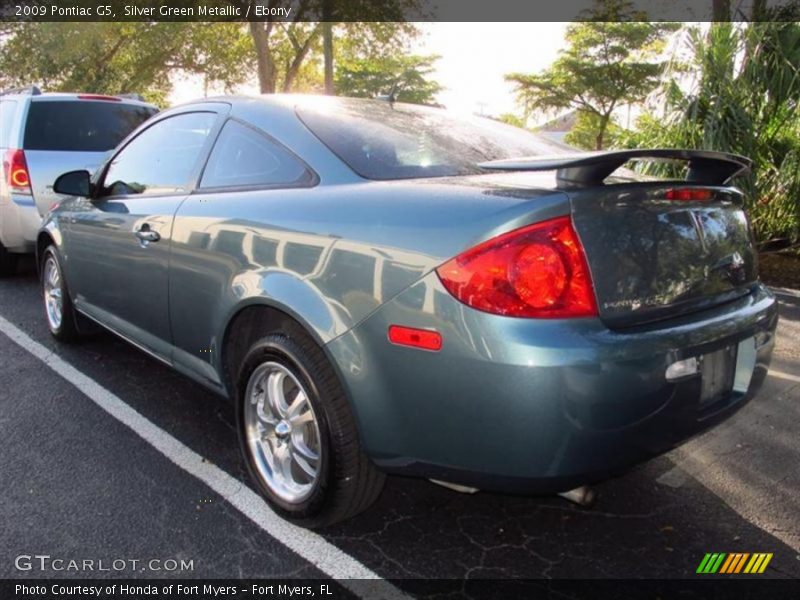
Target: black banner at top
column 396, row 10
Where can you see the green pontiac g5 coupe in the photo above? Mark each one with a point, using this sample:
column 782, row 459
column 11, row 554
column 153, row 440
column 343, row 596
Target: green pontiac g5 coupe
column 385, row 288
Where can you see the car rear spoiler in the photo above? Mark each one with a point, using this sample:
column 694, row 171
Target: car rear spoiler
column 591, row 168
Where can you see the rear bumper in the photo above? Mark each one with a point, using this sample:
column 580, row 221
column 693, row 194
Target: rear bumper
column 537, row 406
column 19, row 223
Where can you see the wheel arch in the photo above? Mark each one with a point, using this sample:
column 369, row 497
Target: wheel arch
column 43, row 240
column 252, row 321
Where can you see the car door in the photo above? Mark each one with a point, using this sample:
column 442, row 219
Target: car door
column 119, row 249
column 221, row 237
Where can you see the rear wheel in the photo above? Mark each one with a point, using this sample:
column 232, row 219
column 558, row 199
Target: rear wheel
column 58, row 308
column 8, row 262
column 298, row 435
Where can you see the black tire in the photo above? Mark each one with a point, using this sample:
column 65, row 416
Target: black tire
column 8, row 262
column 66, row 330
column 347, row 482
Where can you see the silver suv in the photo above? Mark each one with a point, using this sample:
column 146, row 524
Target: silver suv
column 42, row 136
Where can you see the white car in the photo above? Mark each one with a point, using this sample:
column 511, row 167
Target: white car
column 43, row 135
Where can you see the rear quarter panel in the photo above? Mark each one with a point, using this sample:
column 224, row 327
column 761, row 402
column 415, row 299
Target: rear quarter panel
column 329, row 255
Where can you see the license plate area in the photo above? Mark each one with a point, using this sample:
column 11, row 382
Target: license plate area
column 717, row 371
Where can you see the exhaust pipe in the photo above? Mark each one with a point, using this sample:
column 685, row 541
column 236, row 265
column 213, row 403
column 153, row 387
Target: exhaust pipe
column 582, row 496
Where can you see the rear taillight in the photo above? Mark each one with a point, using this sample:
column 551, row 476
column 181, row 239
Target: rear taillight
column 16, row 172
column 538, row 271
column 688, row 194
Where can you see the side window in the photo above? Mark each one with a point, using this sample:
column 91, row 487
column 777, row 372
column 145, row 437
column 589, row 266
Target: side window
column 7, row 109
column 243, row 157
column 161, row 159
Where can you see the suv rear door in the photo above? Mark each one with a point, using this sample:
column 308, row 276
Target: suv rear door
column 73, row 133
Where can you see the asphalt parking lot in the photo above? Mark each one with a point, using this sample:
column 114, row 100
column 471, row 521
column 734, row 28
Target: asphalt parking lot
column 79, row 483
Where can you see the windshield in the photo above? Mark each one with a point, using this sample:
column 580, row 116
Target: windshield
column 379, row 140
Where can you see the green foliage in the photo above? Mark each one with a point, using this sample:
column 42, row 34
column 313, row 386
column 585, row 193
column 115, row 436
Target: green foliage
column 372, row 57
column 584, row 133
column 512, row 119
column 283, row 49
column 744, row 99
column 368, row 77
column 117, row 57
column 607, row 63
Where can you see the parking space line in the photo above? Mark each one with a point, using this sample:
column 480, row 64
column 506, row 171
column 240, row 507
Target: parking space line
column 786, row 376
column 310, row 546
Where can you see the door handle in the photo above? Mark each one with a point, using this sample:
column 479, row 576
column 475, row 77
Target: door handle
column 147, row 235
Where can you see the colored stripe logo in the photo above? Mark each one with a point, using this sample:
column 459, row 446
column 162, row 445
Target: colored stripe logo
column 735, row 562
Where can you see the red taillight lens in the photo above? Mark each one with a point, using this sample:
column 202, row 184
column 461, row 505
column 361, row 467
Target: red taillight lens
column 688, row 194
column 16, row 171
column 538, row 271
column 416, row 338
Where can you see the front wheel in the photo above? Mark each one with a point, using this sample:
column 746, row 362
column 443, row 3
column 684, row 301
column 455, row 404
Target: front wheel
column 58, row 308
column 298, row 434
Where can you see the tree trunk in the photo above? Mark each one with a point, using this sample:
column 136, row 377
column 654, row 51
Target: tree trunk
column 327, row 50
column 721, row 10
column 264, row 60
column 301, row 53
column 601, row 133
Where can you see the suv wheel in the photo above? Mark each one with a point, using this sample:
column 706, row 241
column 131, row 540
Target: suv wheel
column 298, row 435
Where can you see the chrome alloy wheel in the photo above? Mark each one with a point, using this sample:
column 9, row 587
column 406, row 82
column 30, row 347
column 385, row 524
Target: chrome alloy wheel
column 282, row 432
column 53, row 301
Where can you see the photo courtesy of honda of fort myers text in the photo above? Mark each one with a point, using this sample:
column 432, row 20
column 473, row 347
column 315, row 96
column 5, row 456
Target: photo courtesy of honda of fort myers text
column 399, row 299
column 99, row 589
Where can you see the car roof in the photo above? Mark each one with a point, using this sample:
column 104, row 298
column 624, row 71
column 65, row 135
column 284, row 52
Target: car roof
column 286, row 104
column 35, row 95
column 86, row 97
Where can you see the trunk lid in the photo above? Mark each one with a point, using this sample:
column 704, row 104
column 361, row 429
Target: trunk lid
column 653, row 258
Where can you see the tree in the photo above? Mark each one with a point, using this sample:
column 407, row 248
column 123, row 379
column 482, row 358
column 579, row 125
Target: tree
column 408, row 75
column 584, row 132
column 118, row 57
column 744, row 98
column 607, row 64
column 282, row 47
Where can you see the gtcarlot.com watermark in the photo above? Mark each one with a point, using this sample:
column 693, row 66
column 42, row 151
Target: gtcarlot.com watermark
column 47, row 563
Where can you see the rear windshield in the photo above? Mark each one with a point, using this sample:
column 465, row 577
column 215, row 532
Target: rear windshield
column 379, row 140
column 81, row 126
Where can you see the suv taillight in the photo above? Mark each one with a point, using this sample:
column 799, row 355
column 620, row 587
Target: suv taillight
column 539, row 271
column 16, row 172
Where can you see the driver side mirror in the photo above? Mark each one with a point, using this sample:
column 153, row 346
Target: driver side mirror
column 73, row 183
